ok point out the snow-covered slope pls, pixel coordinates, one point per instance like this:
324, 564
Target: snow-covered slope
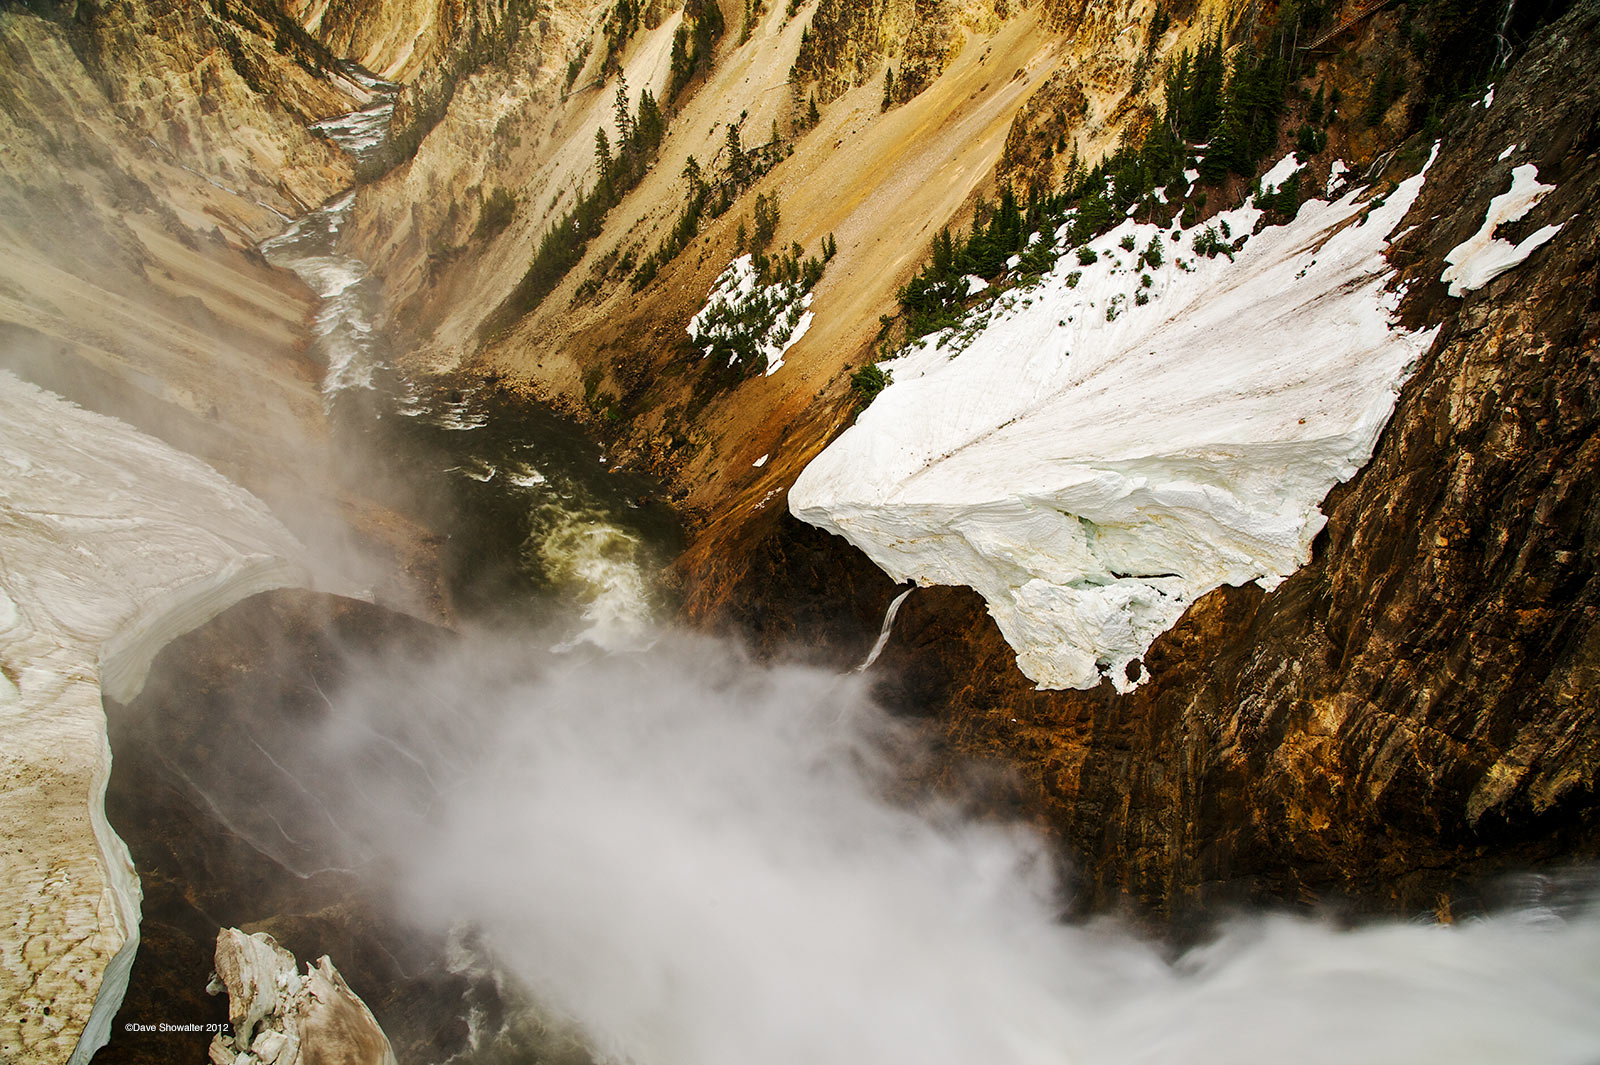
111, 544
1094, 453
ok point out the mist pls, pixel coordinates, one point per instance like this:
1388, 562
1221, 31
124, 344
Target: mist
694, 859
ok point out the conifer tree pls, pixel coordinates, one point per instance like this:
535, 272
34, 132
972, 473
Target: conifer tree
623, 119
602, 154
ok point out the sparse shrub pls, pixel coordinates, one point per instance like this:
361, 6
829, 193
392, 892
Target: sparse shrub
1153, 254
866, 383
499, 207
1087, 255
1208, 243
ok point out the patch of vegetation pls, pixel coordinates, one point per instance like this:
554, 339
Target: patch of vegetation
694, 45
866, 383
755, 309
1233, 109
499, 207
563, 245
712, 196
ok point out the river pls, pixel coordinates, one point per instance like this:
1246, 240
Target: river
537, 524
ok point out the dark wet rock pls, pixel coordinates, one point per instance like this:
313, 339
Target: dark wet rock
259, 672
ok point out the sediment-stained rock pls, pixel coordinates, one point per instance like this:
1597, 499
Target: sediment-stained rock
279, 1016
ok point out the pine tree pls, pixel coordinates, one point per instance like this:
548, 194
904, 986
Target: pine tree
737, 165
623, 119
602, 154
651, 125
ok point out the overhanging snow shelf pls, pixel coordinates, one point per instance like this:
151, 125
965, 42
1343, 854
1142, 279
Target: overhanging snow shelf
1092, 463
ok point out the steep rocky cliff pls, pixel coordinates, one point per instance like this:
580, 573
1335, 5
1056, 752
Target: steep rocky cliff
1018, 94
513, 159
1411, 710
1415, 708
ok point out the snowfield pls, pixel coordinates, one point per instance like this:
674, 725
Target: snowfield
1094, 453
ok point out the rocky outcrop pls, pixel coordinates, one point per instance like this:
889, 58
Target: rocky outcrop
278, 1016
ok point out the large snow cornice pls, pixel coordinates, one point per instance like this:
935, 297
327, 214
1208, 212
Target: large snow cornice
111, 545
1091, 464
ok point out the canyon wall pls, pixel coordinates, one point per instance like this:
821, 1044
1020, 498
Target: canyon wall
1414, 710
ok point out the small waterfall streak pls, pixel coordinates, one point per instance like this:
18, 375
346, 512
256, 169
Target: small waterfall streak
1502, 51
883, 633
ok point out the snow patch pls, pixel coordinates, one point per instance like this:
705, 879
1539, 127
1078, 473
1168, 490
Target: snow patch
1093, 454
1282, 171
1483, 257
1336, 178
748, 322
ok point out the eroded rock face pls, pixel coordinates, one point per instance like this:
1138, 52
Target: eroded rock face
149, 147
279, 1016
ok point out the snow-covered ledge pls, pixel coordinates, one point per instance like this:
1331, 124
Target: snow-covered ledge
111, 545
1105, 448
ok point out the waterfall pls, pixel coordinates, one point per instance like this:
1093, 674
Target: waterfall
1502, 50
883, 633
694, 859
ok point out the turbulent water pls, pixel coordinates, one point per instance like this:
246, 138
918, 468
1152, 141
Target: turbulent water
346, 329
363, 133
534, 521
